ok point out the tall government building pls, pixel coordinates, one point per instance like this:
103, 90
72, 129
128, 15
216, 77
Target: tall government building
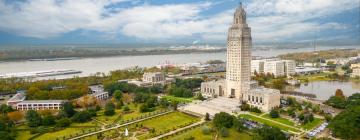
238, 56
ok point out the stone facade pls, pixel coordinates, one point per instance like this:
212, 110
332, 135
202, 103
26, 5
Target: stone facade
213, 88
237, 84
154, 78
238, 56
355, 72
263, 98
40, 105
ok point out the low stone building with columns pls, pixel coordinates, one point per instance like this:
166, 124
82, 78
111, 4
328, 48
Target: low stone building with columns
263, 98
213, 88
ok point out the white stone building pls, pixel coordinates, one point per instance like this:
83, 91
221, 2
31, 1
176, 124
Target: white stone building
154, 78
213, 88
263, 98
40, 105
238, 56
273, 66
355, 72
237, 84
17, 98
98, 92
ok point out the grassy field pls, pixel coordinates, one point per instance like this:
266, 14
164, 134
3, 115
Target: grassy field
198, 135
168, 122
280, 120
179, 99
312, 124
257, 119
72, 130
314, 77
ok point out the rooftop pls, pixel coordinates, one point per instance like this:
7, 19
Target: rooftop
42, 101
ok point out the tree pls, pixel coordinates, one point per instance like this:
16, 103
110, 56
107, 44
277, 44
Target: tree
245, 107
63, 122
346, 124
48, 120
15, 116
109, 109
126, 108
274, 113
117, 95
144, 108
5, 108
339, 93
223, 119
174, 104
164, 103
336, 102
126, 98
33, 118
207, 117
82, 116
206, 130
269, 133
239, 124
68, 109
224, 132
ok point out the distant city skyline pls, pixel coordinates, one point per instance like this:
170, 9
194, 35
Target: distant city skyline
178, 21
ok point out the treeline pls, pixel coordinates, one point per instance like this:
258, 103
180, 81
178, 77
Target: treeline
326, 54
60, 52
65, 88
346, 124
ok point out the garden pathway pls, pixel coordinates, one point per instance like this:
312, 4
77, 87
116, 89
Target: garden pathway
118, 126
178, 130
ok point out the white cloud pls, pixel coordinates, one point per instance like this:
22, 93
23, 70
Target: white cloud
270, 19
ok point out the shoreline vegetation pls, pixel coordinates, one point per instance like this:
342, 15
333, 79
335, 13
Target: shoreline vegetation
49, 54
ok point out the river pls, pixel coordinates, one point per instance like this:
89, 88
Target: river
106, 64
324, 89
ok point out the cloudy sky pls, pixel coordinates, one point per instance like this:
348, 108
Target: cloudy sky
175, 21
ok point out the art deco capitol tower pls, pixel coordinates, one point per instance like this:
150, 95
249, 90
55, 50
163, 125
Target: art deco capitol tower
238, 56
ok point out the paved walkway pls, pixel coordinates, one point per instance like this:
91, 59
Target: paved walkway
118, 126
178, 130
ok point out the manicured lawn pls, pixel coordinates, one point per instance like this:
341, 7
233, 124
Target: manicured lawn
167, 122
280, 120
119, 116
179, 99
24, 135
198, 135
257, 119
65, 132
234, 135
312, 124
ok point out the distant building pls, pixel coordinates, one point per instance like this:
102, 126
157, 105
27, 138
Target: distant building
98, 92
17, 98
353, 66
355, 72
40, 105
307, 70
273, 66
154, 78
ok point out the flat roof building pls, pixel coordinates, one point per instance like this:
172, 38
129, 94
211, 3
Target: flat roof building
40, 105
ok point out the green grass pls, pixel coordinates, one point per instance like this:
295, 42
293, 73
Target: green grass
198, 135
167, 122
65, 132
179, 99
257, 119
314, 77
24, 135
313, 124
280, 120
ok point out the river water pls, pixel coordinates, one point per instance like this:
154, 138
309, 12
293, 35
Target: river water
324, 89
106, 64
